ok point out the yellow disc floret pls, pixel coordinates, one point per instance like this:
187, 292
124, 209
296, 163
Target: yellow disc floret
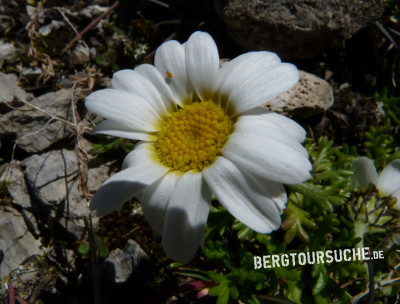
192, 137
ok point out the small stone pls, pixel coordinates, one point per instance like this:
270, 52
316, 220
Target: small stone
92, 10
54, 25
7, 51
80, 55
310, 96
10, 92
35, 13
16, 242
121, 264
31, 74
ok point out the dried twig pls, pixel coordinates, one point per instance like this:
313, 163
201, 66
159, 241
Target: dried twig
160, 3
81, 154
70, 24
11, 294
47, 113
382, 283
386, 33
91, 25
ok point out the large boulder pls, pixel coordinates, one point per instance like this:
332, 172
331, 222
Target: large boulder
296, 28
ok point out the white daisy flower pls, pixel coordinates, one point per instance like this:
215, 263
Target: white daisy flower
200, 134
387, 183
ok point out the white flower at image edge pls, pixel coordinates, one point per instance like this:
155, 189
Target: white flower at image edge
387, 182
200, 133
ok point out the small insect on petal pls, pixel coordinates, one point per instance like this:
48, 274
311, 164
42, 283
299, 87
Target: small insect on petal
169, 74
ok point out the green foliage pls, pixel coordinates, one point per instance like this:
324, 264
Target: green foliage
110, 145
391, 104
126, 48
325, 213
85, 248
381, 144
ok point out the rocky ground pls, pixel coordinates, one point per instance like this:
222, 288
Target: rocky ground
51, 248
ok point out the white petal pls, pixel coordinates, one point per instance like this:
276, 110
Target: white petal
150, 72
202, 63
125, 108
262, 86
262, 126
274, 191
291, 127
389, 179
364, 172
143, 153
396, 195
236, 71
124, 185
134, 82
170, 62
155, 201
186, 217
109, 127
243, 196
268, 158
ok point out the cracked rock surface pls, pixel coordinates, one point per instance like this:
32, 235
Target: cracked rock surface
296, 29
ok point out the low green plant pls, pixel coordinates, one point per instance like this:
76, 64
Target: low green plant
324, 214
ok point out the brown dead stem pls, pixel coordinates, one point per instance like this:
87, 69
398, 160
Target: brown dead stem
80, 151
46, 63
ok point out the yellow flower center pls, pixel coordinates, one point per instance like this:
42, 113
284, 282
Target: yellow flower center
191, 138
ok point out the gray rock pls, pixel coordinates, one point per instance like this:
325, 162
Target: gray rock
310, 96
54, 25
10, 92
16, 242
92, 11
49, 174
35, 130
123, 263
14, 176
80, 55
7, 50
31, 74
97, 176
16, 187
53, 179
296, 29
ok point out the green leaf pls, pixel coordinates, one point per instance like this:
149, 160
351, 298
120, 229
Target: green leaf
103, 252
319, 284
216, 277
287, 274
321, 300
294, 291
222, 291
84, 248
234, 292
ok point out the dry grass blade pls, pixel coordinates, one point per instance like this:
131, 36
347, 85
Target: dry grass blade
91, 25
